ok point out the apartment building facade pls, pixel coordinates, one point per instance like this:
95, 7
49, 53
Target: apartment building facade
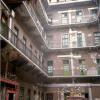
50, 49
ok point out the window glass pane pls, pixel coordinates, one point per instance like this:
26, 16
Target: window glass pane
65, 40
66, 67
64, 18
79, 13
98, 61
97, 38
29, 94
94, 11
16, 31
82, 66
21, 94
50, 67
79, 40
53, 1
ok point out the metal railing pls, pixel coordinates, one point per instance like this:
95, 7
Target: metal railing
88, 71
75, 20
7, 33
35, 18
59, 45
68, 1
9, 75
84, 19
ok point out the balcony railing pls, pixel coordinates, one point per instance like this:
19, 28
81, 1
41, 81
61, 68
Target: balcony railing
66, 1
7, 33
91, 71
59, 45
9, 76
74, 20
84, 19
35, 19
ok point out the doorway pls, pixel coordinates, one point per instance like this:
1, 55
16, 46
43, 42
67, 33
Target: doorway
11, 96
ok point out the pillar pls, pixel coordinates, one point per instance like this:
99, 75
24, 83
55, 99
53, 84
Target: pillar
62, 95
90, 93
10, 23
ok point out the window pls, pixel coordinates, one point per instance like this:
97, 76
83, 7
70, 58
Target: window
24, 44
4, 18
50, 41
98, 61
94, 11
98, 65
21, 94
50, 67
79, 16
53, 1
97, 38
3, 25
79, 13
49, 96
65, 40
61, 0
29, 94
79, 40
15, 35
31, 47
66, 67
82, 66
24, 40
64, 18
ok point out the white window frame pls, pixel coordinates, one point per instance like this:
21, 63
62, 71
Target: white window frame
83, 39
62, 46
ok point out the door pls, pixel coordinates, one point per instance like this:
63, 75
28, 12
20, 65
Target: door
49, 96
11, 95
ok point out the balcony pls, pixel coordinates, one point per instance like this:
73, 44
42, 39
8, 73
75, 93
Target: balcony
74, 20
9, 76
52, 2
88, 71
34, 21
59, 45
8, 34
84, 19
61, 72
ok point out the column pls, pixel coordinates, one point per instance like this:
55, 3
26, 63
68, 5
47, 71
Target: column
10, 23
90, 93
69, 17
62, 95
72, 64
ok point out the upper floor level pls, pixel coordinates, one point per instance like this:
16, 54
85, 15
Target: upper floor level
74, 63
74, 38
73, 17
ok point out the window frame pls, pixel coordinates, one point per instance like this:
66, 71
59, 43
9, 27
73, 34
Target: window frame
50, 67
65, 40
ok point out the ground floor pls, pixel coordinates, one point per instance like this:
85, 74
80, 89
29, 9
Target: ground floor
11, 90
